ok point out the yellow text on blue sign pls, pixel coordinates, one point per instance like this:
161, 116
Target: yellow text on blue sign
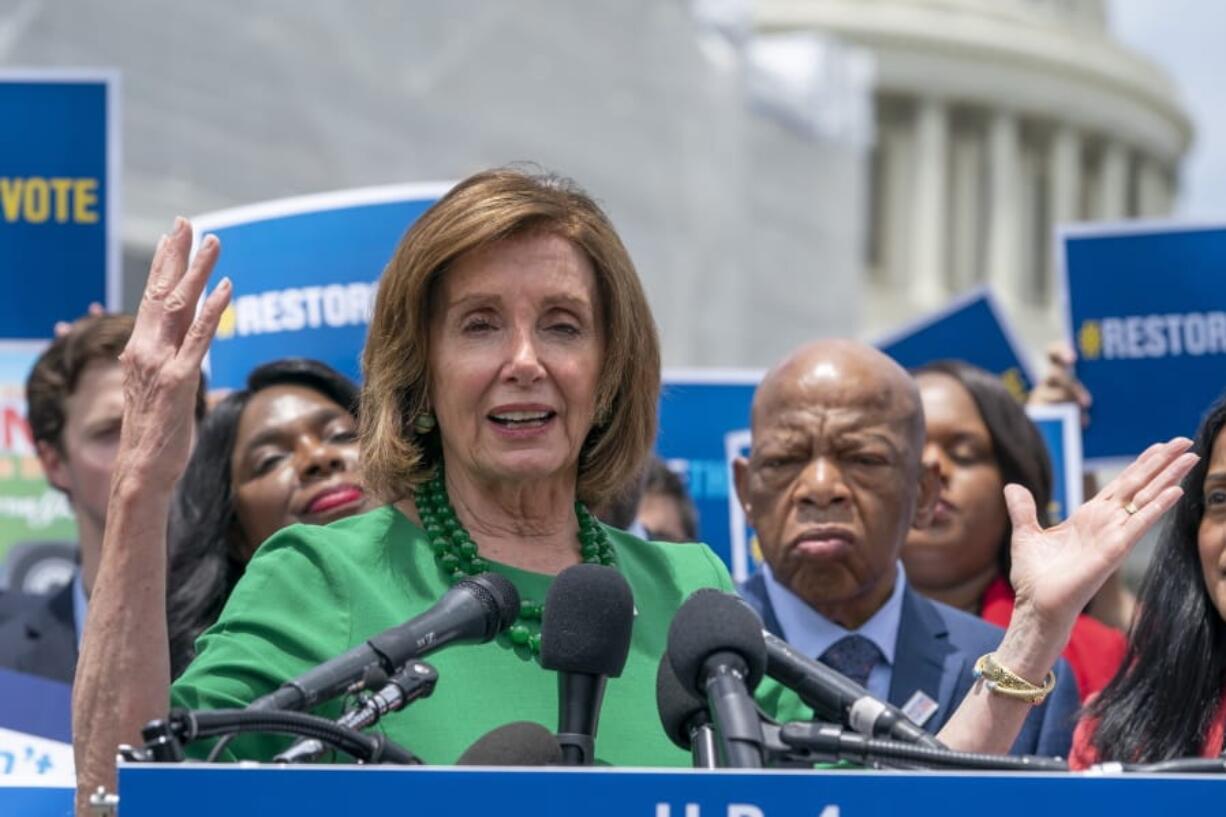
57, 199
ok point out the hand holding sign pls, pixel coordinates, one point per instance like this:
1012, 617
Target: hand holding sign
1060, 383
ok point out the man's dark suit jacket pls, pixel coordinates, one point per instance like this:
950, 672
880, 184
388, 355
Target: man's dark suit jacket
936, 652
38, 634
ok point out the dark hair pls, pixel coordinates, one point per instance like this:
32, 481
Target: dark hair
54, 377
204, 562
663, 481
1162, 700
1017, 445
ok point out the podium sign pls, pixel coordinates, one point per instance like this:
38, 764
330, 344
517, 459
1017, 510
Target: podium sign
192, 790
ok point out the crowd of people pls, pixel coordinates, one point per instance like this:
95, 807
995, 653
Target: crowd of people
510, 383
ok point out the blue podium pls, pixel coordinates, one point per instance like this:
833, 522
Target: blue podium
191, 790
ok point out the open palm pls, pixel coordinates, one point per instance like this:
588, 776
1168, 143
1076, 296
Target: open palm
1058, 570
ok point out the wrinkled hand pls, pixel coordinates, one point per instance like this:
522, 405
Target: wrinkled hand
1057, 571
1060, 383
161, 363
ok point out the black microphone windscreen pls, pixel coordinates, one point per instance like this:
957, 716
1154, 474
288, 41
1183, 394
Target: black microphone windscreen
711, 622
498, 596
677, 705
588, 620
522, 743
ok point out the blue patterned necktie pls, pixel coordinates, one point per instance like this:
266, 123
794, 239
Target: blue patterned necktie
854, 656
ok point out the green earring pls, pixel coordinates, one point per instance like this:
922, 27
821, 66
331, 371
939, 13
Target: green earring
424, 423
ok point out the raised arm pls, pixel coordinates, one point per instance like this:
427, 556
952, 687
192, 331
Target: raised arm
1055, 573
123, 675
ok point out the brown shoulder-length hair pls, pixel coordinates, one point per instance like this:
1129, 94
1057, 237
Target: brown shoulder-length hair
483, 209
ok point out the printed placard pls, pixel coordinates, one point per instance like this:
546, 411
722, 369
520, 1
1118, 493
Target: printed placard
971, 328
305, 273
1146, 309
59, 198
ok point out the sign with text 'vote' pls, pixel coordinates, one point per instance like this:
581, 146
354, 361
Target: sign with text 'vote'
1146, 308
59, 198
305, 272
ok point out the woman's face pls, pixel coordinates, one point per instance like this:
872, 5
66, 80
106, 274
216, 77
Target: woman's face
970, 518
1211, 537
515, 355
295, 460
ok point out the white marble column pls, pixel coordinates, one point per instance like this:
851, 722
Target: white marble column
1112, 198
930, 203
1152, 189
966, 209
1004, 264
1064, 192
897, 163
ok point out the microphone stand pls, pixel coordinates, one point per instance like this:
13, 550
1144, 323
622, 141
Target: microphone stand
1181, 765
165, 738
414, 681
704, 750
827, 743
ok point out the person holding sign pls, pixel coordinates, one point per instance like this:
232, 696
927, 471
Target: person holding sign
979, 439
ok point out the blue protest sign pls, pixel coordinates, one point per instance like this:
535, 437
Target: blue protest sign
305, 272
970, 328
1147, 310
238, 790
1060, 427
35, 731
59, 198
704, 422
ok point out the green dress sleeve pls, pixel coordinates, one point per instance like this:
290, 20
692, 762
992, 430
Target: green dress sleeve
287, 614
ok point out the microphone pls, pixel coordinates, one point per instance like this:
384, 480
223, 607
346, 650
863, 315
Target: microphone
715, 647
685, 718
416, 680
473, 611
522, 743
585, 638
836, 697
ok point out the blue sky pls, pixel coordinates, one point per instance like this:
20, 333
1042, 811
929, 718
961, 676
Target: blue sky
1188, 39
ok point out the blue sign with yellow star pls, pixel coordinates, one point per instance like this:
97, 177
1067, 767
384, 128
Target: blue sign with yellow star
970, 328
305, 273
1146, 310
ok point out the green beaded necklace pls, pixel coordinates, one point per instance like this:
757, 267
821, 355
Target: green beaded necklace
457, 556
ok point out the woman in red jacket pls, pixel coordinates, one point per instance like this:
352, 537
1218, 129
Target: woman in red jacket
1169, 698
979, 440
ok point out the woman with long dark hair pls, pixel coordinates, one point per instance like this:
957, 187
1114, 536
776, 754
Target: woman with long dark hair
282, 450
980, 440
1169, 698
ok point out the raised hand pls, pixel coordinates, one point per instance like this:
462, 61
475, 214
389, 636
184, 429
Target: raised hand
161, 363
1060, 383
1057, 571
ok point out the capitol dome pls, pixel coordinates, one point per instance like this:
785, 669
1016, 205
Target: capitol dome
995, 120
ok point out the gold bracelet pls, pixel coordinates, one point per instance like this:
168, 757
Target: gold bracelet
1003, 681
